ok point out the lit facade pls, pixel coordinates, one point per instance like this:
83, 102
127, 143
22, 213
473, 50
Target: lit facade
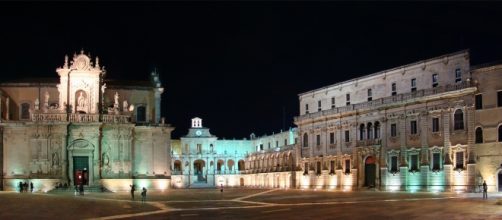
83, 129
433, 125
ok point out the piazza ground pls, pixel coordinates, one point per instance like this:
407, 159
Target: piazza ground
250, 204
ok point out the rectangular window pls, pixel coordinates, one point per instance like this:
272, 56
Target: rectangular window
319, 105
276, 143
413, 127
414, 162
331, 138
370, 95
268, 145
436, 160
413, 85
458, 75
479, 101
347, 98
285, 142
318, 140
435, 124
306, 108
261, 146
459, 164
394, 89
393, 164
332, 102
347, 166
499, 99
393, 130
332, 167
306, 168
435, 80
347, 136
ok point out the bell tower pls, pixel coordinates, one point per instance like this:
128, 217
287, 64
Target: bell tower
79, 84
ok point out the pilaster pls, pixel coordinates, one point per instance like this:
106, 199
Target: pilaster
446, 135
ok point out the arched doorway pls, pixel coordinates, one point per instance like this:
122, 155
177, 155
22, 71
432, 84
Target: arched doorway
242, 181
369, 171
198, 167
499, 176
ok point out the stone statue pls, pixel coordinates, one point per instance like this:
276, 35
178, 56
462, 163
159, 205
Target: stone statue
116, 98
81, 100
37, 104
46, 98
55, 158
125, 106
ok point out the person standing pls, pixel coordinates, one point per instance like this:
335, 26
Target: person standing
31, 187
133, 188
143, 195
485, 190
221, 188
81, 189
20, 187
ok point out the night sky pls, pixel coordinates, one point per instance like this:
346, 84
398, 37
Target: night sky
240, 66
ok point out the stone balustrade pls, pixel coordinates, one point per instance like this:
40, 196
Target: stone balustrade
79, 118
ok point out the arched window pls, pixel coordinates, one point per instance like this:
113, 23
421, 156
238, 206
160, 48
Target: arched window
141, 114
377, 130
370, 131
361, 132
500, 133
479, 135
458, 120
240, 165
305, 140
25, 111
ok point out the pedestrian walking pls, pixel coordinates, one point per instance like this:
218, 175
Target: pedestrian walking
143, 195
221, 188
133, 188
485, 190
31, 187
25, 186
20, 187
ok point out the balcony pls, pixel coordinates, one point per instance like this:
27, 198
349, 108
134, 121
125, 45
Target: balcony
369, 142
397, 99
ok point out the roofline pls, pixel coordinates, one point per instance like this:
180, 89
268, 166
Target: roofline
387, 70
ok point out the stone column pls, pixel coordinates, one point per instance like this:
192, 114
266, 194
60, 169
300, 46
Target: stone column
447, 167
383, 154
471, 149
424, 161
402, 140
158, 93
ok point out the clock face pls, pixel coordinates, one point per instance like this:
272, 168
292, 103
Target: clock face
198, 133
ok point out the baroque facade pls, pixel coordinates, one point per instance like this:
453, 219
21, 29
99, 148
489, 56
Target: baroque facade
83, 129
433, 125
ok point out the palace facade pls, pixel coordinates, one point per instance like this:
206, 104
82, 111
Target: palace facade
433, 125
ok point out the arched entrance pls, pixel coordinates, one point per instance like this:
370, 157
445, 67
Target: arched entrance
242, 181
369, 171
80, 155
499, 178
198, 168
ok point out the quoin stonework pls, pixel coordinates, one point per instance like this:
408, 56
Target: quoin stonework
434, 125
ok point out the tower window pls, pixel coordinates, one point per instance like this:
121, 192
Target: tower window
347, 99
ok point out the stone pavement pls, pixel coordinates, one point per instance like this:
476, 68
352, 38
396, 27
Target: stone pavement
250, 204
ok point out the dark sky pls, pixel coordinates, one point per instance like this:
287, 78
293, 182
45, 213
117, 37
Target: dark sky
239, 66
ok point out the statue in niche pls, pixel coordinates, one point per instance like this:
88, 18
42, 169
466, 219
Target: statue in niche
116, 98
46, 98
55, 159
125, 106
106, 160
37, 104
81, 100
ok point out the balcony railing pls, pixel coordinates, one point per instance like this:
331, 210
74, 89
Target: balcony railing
389, 100
79, 118
369, 142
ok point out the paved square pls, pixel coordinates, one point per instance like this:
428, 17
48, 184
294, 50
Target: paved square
249, 204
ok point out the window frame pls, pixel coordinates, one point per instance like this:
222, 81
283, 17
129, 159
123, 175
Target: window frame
347, 99
478, 101
413, 84
435, 127
413, 127
458, 123
458, 75
393, 89
393, 130
435, 80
